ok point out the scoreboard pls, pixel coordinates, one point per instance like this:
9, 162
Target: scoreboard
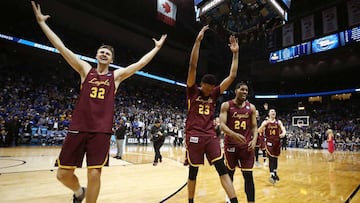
322, 44
350, 36
290, 52
325, 43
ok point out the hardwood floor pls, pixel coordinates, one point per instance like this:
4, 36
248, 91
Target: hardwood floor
28, 175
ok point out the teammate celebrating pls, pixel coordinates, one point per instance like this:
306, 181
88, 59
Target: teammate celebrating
274, 130
238, 122
200, 130
91, 125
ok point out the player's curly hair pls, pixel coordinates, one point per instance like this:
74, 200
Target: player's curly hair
237, 86
209, 79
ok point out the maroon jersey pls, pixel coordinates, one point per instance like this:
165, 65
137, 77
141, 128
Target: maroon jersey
239, 121
272, 132
94, 110
199, 121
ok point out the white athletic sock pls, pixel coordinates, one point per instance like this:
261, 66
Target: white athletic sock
78, 192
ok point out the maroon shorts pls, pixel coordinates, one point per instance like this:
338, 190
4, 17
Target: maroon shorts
95, 145
260, 142
273, 148
197, 146
236, 155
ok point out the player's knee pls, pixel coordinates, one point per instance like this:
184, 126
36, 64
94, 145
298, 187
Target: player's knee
220, 167
64, 174
193, 171
231, 173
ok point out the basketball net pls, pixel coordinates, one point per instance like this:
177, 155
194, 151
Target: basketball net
300, 124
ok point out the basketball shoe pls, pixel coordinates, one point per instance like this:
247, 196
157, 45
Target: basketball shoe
81, 197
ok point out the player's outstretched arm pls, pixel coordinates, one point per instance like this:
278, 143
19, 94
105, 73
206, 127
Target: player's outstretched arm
234, 47
122, 74
194, 57
262, 126
75, 62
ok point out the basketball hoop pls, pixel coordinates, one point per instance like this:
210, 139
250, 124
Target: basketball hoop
300, 123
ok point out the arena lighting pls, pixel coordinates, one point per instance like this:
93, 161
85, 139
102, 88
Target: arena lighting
209, 5
281, 12
266, 96
85, 58
287, 96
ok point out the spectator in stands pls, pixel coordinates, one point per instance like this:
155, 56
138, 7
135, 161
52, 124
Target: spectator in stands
145, 134
93, 114
120, 131
2, 136
180, 136
26, 126
12, 127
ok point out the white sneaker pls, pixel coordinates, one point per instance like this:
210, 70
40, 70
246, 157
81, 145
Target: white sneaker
272, 180
257, 164
227, 200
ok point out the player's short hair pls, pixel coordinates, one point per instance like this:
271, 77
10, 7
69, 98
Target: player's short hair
271, 108
209, 79
110, 48
239, 84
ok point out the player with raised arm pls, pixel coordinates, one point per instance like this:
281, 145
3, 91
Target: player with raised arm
200, 130
92, 119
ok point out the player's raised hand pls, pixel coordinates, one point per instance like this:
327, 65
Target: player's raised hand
160, 42
37, 11
202, 32
233, 44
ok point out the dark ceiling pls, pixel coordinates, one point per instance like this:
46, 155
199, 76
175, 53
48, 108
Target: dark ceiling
130, 25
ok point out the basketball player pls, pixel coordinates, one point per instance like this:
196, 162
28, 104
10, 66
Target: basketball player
91, 125
238, 122
330, 141
274, 130
200, 130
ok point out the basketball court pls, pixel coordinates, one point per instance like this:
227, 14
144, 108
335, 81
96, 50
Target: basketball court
28, 175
